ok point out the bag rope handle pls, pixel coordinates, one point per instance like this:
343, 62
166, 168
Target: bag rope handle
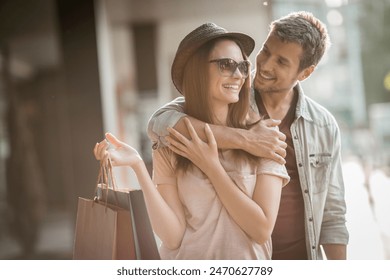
106, 179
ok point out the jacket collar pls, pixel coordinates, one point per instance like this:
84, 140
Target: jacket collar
301, 109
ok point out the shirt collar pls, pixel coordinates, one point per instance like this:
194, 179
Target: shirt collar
301, 109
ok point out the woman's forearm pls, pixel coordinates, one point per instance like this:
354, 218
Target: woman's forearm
165, 222
251, 217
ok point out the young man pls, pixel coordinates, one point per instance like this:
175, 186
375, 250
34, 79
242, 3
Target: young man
312, 208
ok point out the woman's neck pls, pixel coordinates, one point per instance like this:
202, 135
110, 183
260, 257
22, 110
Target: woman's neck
220, 114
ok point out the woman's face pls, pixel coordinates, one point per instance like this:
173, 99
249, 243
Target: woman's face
224, 86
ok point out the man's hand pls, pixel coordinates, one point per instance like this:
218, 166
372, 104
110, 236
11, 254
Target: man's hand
265, 140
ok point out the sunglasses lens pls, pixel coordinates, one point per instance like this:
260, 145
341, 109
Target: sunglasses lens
228, 66
244, 68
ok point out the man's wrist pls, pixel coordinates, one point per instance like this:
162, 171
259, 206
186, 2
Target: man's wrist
229, 137
238, 139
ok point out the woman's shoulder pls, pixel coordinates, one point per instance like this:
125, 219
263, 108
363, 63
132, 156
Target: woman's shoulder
163, 155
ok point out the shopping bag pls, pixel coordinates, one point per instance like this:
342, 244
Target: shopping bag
132, 199
121, 231
102, 232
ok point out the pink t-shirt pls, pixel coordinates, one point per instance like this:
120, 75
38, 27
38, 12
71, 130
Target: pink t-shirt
211, 233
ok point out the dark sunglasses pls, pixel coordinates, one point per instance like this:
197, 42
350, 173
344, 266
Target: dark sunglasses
228, 66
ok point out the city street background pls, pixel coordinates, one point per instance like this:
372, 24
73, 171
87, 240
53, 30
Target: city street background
71, 70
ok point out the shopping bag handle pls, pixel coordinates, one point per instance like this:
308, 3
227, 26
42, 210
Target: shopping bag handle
106, 179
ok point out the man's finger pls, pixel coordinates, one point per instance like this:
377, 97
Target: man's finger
278, 158
282, 152
271, 122
281, 136
283, 144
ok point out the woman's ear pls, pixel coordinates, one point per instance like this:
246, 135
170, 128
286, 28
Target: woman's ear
305, 73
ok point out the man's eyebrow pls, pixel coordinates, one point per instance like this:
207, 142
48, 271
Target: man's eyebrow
284, 60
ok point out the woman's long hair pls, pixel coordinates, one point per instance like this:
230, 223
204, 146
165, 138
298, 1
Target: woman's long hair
198, 99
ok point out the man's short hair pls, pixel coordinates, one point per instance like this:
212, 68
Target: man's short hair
307, 31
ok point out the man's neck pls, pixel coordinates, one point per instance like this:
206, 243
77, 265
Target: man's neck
277, 104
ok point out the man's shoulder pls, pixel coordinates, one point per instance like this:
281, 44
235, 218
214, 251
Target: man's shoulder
318, 113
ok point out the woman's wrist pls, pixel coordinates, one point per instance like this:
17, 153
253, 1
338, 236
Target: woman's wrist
213, 167
138, 166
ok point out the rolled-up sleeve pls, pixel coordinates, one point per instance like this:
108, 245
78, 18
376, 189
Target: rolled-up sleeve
271, 167
166, 116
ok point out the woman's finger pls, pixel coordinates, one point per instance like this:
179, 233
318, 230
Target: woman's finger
113, 140
102, 148
177, 151
177, 144
191, 130
210, 135
95, 151
180, 137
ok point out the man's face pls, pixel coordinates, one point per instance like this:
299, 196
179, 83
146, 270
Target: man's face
277, 66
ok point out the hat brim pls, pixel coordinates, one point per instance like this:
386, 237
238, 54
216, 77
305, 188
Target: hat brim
246, 42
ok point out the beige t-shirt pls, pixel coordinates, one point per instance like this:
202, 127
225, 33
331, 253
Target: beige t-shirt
211, 233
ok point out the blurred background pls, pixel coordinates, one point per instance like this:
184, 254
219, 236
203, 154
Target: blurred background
71, 70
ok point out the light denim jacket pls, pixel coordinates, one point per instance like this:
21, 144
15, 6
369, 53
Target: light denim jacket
317, 146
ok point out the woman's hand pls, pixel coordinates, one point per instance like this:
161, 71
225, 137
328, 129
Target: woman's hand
202, 154
120, 154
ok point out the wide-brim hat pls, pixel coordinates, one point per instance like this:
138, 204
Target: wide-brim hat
197, 38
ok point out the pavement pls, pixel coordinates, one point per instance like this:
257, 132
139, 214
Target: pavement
55, 240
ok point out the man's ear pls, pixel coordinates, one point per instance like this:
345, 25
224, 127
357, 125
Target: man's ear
305, 73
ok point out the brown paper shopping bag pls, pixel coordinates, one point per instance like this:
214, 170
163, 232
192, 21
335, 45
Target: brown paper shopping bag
116, 222
144, 242
102, 232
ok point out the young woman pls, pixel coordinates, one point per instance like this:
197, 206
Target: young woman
208, 203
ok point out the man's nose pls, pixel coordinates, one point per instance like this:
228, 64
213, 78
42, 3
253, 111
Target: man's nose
267, 64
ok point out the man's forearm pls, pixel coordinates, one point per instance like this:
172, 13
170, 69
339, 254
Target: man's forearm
335, 251
166, 116
261, 140
226, 137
